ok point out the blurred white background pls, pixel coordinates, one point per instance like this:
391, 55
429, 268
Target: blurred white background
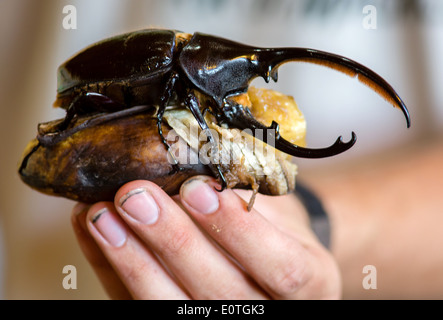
406, 48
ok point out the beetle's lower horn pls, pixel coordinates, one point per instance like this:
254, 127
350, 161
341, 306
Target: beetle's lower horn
244, 120
277, 56
283, 145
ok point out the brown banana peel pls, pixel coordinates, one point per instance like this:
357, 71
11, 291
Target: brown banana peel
93, 163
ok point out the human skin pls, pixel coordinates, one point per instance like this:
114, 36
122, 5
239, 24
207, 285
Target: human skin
152, 246
385, 212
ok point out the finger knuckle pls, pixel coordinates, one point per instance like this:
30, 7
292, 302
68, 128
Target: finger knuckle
135, 272
222, 293
290, 278
327, 284
232, 291
179, 243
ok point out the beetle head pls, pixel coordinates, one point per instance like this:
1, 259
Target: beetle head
220, 67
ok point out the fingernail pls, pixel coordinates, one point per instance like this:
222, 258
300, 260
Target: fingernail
140, 206
200, 196
109, 227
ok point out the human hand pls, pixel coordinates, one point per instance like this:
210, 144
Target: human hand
203, 244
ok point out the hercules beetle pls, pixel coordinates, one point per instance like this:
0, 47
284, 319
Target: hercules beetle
126, 74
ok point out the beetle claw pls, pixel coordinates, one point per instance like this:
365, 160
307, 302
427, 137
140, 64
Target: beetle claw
222, 178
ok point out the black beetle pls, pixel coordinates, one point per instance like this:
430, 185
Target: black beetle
126, 74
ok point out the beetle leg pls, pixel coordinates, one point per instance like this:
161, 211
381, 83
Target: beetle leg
51, 138
24, 163
70, 112
207, 109
99, 101
170, 85
242, 118
192, 103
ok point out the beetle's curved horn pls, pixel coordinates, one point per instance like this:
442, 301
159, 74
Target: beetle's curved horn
243, 119
226, 67
274, 57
